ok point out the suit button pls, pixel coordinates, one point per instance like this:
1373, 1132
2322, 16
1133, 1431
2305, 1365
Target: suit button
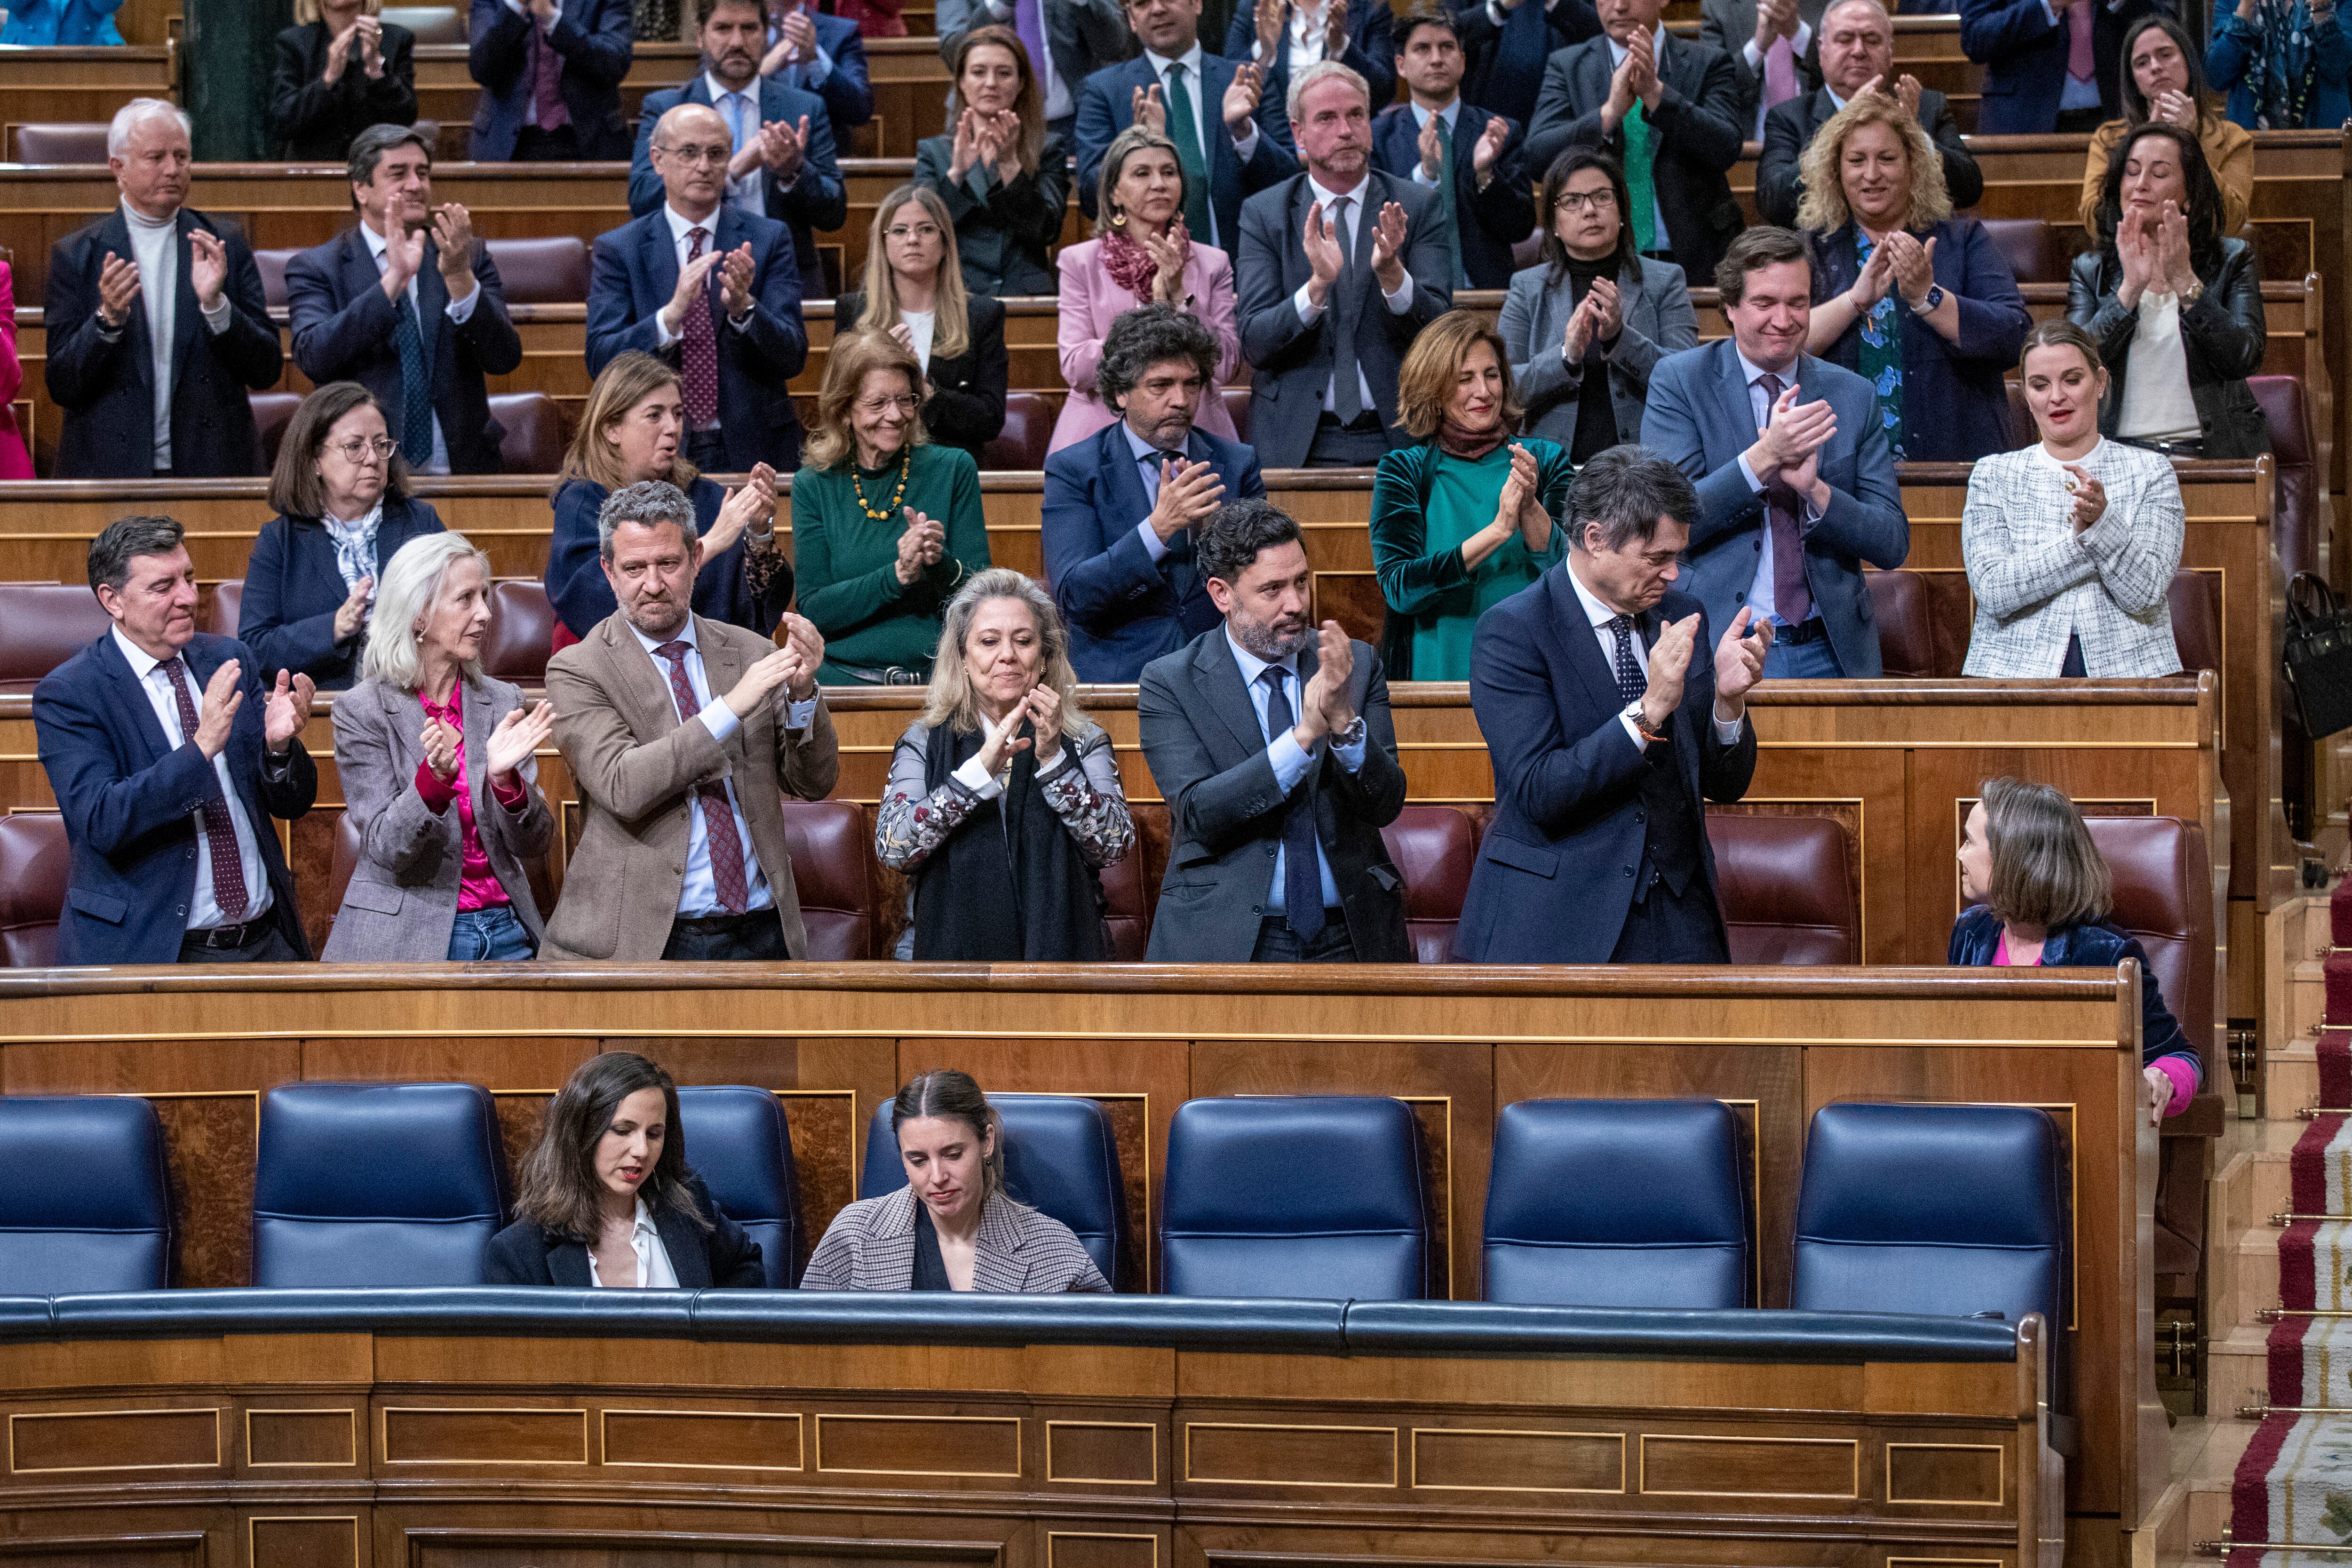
1629, 871
1639, 818
1257, 908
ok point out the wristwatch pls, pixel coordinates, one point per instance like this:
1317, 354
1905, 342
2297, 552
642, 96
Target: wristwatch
2194, 292
1353, 735
1934, 301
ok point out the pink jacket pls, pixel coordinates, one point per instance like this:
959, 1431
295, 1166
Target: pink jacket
1091, 301
15, 462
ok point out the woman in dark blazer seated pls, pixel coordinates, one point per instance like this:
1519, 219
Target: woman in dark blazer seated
1004, 176
340, 70
2175, 305
2041, 894
607, 1199
1917, 302
951, 1226
915, 292
340, 493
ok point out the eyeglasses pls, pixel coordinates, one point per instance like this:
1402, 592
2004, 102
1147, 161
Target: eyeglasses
717, 154
1586, 201
872, 406
359, 451
919, 231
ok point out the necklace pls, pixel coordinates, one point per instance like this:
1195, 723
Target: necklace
905, 461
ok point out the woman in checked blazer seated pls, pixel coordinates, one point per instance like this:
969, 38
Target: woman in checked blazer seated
607, 1199
951, 1226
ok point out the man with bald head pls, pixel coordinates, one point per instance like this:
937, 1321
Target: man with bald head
1857, 53
714, 290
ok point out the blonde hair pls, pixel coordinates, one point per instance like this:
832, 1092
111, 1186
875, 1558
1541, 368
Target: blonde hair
308, 11
1123, 146
952, 701
832, 443
1433, 364
950, 306
411, 587
628, 380
1823, 209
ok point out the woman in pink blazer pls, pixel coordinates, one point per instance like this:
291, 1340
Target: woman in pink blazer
15, 461
1144, 252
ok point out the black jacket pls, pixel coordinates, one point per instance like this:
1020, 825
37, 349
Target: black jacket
722, 1257
310, 121
2224, 333
1788, 129
966, 406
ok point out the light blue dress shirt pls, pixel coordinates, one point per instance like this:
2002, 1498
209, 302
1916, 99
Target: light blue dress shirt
1289, 762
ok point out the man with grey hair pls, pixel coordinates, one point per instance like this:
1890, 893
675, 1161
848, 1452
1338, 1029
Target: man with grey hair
1611, 727
685, 736
1123, 506
158, 325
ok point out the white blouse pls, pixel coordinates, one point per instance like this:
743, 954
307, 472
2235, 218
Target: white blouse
2156, 403
921, 323
654, 1272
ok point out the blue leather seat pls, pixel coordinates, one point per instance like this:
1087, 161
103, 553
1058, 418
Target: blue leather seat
1317, 1197
361, 1184
85, 1207
736, 1141
1060, 1158
1619, 1203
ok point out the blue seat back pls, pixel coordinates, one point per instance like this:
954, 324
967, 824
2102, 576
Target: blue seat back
1619, 1203
1317, 1196
736, 1141
375, 1184
86, 1206
1060, 1158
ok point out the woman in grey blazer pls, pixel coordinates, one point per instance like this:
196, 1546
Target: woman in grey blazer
951, 1226
1592, 300
444, 823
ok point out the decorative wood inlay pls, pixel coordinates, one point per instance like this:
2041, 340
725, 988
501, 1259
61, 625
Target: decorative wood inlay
212, 1222
279, 1437
162, 1549
1266, 1455
1960, 1475
1476, 1460
824, 1127
42, 1443
304, 1542
418, 1436
1105, 1453
970, 1446
1089, 1549
520, 1116
1679, 1465
702, 1439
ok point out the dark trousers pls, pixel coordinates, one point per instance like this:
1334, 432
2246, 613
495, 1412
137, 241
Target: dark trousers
757, 937
272, 948
707, 450
2078, 121
1359, 446
1664, 928
561, 145
1277, 943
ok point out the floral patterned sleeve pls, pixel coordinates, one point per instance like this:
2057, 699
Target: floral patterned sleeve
911, 822
759, 564
1081, 785
1088, 800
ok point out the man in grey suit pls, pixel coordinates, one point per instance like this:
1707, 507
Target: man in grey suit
1339, 268
1080, 37
1795, 477
1771, 43
1272, 743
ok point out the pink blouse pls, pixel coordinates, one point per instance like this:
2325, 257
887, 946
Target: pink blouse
478, 887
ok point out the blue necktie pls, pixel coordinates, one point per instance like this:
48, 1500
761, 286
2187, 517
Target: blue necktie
1302, 880
415, 387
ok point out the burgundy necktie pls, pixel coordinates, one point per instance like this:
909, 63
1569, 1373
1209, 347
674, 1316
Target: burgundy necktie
546, 80
2079, 57
1792, 601
220, 833
717, 816
701, 361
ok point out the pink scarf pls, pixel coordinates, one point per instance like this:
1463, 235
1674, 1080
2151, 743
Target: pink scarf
1130, 264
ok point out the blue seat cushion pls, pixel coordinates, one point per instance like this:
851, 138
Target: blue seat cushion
87, 1207
738, 1142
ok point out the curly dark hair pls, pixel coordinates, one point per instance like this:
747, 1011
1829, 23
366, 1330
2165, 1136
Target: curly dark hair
1144, 337
2204, 213
1231, 542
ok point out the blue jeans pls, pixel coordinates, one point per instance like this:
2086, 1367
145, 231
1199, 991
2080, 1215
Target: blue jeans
496, 935
1815, 661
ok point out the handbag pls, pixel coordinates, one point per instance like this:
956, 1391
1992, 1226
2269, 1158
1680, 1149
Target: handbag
2318, 656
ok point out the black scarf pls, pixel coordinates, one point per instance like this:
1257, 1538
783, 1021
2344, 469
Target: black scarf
1596, 413
1008, 885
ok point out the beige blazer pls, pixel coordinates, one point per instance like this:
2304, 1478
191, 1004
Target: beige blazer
635, 767
402, 897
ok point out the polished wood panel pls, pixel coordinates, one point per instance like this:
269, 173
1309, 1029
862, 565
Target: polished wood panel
44, 1443
702, 1439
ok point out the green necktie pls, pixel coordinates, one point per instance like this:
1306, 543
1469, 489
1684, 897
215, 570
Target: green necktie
1185, 132
1636, 131
1445, 196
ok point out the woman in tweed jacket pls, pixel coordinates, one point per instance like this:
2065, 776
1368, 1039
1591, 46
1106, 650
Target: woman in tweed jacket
951, 1227
2070, 544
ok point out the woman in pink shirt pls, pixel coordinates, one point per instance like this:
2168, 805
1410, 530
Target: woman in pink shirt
437, 760
15, 462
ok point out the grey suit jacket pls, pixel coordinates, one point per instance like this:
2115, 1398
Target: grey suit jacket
1730, 26
402, 897
1083, 36
870, 1246
1659, 321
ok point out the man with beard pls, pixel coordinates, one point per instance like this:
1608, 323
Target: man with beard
1122, 505
1271, 742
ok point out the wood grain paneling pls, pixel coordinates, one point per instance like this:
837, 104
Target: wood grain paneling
702, 1439
40, 1443
305, 1541
968, 1447
428, 1435
1278, 1453
278, 1439
1966, 1475
1690, 1466
1483, 1460
1102, 1453
1100, 1549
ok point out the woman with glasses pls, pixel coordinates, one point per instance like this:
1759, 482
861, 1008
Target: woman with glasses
915, 293
341, 491
1004, 177
1587, 323
885, 526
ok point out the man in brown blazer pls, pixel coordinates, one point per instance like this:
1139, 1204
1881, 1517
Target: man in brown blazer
684, 736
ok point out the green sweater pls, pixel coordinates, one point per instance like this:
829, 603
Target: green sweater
1424, 505
846, 564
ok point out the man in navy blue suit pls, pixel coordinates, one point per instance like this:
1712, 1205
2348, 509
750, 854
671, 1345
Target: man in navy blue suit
784, 167
2050, 64
1611, 727
714, 290
551, 74
168, 758
1439, 141
1230, 134
1287, 37
822, 55
1121, 506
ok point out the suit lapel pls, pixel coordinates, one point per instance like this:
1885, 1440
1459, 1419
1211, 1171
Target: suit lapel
721, 668
358, 264
114, 235
1738, 408
1124, 474
133, 696
185, 314
1578, 640
567, 1264
640, 683
996, 1264
475, 710
1220, 680
689, 1259
660, 254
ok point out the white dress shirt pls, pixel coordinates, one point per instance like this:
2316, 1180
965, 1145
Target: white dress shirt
1289, 762
1350, 212
155, 247
1204, 117
922, 326
459, 312
681, 239
654, 1272
1601, 614
1657, 59
2156, 403
1302, 36
204, 913
1800, 46
1760, 406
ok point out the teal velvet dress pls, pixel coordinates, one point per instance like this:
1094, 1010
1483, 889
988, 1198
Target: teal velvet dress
1425, 504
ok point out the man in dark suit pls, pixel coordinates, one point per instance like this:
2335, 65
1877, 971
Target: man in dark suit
1122, 505
1067, 40
2050, 64
157, 323
1464, 153
1771, 45
1795, 476
1273, 745
1857, 51
820, 53
168, 758
1504, 46
783, 167
407, 304
550, 71
715, 289
1339, 268
1668, 111
1230, 134
1287, 37
1611, 725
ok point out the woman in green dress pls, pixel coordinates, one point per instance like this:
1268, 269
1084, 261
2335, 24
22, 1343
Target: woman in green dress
885, 525
1467, 518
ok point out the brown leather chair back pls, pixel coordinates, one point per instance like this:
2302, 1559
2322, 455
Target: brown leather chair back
1525, 253
1028, 430
1434, 847
2197, 619
1128, 894
833, 870
535, 437
2022, 433
272, 413
523, 624
2164, 896
1923, 619
60, 142
2295, 530
228, 605
272, 264
1237, 403
42, 624
1787, 888
551, 271
34, 864
431, 24
2030, 246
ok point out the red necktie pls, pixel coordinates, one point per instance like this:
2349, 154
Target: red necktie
1793, 600
546, 81
220, 833
2078, 43
717, 816
701, 365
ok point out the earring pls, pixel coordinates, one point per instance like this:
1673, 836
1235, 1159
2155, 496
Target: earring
1119, 218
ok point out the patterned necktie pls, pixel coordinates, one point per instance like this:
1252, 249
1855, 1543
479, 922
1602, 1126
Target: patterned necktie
1793, 600
220, 833
415, 385
1631, 682
1302, 882
701, 344
1347, 383
2078, 43
717, 816
1184, 129
546, 81
1445, 199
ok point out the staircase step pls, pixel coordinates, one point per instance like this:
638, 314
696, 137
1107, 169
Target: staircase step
2291, 1078
2238, 1364
2208, 1485
2308, 992
2253, 1286
2165, 1530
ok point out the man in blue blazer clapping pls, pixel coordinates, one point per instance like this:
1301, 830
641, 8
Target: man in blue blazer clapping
1438, 140
713, 288
550, 71
823, 55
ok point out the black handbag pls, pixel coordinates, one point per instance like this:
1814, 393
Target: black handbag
2318, 656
